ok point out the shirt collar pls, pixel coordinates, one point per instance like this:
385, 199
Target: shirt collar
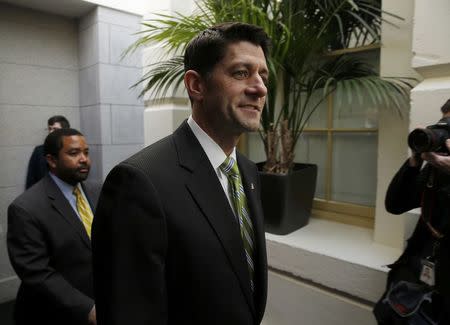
213, 151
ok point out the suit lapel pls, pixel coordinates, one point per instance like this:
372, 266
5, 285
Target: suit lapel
63, 207
207, 192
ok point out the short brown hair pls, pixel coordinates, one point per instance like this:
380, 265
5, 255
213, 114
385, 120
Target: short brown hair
206, 49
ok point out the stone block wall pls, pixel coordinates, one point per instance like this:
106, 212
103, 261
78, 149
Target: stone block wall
38, 79
55, 65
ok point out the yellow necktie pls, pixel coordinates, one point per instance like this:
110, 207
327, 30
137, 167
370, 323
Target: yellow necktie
84, 211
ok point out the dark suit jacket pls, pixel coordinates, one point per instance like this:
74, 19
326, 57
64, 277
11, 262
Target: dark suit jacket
166, 245
37, 167
405, 193
51, 253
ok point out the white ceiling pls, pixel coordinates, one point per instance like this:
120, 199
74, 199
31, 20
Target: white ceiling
68, 8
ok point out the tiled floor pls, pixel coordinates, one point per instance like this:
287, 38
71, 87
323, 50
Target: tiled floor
6, 313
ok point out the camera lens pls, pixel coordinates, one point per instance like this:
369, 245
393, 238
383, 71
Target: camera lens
421, 140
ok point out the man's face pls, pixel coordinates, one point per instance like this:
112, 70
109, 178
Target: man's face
73, 163
235, 90
53, 127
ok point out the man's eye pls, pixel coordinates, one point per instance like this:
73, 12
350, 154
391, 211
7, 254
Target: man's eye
241, 74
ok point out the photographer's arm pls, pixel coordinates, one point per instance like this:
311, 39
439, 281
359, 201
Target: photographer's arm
403, 193
441, 162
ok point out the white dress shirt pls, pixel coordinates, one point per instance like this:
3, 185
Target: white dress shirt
214, 153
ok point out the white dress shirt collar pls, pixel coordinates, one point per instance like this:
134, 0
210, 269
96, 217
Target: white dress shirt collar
214, 152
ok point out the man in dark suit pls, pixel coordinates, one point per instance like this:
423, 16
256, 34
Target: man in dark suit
49, 237
37, 166
178, 235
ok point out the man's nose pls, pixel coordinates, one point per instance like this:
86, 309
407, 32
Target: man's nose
258, 87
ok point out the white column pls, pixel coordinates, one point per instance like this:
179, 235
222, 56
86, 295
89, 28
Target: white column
162, 118
395, 61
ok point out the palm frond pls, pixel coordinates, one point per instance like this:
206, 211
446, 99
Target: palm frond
161, 77
302, 31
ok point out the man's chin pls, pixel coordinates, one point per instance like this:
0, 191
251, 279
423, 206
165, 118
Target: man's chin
251, 127
249, 121
82, 176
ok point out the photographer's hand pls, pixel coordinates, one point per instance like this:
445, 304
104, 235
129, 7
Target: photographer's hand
415, 160
440, 161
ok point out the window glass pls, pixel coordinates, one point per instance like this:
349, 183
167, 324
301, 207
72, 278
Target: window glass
320, 116
312, 148
354, 168
351, 114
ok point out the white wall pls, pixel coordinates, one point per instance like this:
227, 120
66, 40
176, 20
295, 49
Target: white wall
146, 7
431, 34
431, 49
38, 79
139, 7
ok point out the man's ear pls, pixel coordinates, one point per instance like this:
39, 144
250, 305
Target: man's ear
51, 161
194, 84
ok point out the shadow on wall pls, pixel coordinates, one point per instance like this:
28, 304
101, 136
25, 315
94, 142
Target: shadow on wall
6, 311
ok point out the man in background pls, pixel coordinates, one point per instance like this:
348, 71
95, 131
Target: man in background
178, 236
37, 166
49, 246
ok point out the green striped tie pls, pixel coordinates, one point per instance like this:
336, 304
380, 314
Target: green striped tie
237, 194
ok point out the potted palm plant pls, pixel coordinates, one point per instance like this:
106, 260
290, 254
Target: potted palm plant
303, 33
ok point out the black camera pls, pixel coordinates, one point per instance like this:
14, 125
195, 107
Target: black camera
432, 138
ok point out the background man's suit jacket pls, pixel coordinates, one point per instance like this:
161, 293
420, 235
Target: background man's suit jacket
167, 247
37, 167
51, 253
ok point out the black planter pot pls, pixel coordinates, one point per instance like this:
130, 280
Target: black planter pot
287, 199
